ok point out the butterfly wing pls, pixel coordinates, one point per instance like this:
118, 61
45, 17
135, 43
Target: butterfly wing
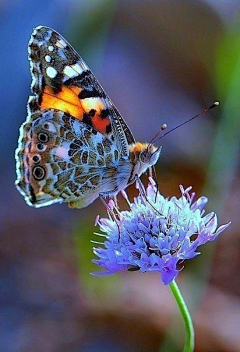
74, 140
61, 80
60, 158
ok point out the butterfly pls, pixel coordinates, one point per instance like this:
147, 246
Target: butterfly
74, 145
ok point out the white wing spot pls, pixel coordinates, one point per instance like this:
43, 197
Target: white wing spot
61, 44
70, 72
48, 58
51, 72
93, 103
50, 48
77, 68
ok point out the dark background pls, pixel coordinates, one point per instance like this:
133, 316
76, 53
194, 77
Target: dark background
160, 62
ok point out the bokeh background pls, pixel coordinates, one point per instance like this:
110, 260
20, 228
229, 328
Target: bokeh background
160, 62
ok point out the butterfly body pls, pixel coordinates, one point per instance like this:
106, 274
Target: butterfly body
74, 145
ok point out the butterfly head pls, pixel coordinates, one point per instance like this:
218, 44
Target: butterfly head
143, 156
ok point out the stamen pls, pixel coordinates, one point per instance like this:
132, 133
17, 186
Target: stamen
151, 180
125, 196
96, 220
111, 204
100, 234
96, 242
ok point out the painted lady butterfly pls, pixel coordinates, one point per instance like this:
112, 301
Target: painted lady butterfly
74, 145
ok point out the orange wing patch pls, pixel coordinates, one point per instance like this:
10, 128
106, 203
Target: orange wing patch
100, 124
67, 100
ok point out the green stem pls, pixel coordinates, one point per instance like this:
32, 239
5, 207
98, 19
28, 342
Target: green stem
189, 330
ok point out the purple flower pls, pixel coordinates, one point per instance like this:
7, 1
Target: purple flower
156, 234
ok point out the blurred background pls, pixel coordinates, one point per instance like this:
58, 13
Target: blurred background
160, 62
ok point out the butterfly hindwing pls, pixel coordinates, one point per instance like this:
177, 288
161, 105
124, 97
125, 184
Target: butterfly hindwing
62, 159
62, 80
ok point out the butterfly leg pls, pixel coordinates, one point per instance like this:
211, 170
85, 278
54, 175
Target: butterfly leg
103, 200
115, 201
150, 171
155, 180
144, 194
110, 211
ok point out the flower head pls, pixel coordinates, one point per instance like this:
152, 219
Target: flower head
156, 234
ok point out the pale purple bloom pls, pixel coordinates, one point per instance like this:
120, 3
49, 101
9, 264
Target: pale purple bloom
156, 234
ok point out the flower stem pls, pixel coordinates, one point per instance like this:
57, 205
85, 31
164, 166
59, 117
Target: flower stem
189, 330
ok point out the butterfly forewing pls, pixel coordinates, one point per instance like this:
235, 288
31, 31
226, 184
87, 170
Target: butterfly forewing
62, 80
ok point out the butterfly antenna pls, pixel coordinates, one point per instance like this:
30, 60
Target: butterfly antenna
164, 126
192, 118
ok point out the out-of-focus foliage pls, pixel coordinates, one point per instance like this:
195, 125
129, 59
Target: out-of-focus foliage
225, 154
